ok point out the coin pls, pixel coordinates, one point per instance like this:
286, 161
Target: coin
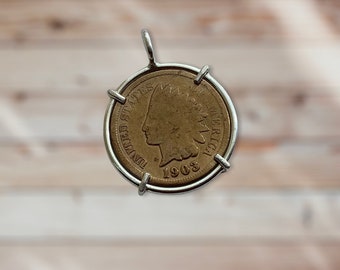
170, 127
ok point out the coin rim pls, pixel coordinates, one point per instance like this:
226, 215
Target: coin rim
208, 177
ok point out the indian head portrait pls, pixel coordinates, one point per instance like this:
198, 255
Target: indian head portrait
175, 122
169, 127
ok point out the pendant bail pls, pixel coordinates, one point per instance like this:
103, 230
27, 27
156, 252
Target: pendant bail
148, 47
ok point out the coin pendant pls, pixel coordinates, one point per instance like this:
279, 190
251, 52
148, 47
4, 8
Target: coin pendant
170, 127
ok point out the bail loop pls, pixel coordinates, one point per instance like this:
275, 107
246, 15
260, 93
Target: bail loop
148, 47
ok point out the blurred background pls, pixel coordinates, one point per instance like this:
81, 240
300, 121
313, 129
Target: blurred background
64, 206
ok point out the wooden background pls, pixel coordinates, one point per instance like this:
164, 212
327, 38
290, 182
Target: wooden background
63, 205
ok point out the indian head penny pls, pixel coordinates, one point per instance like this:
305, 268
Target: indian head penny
170, 127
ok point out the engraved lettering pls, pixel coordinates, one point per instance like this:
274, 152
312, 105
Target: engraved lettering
124, 117
183, 169
215, 131
215, 135
133, 99
194, 166
122, 128
174, 172
129, 149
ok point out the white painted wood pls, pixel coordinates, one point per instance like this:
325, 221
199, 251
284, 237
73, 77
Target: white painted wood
235, 65
218, 215
75, 166
267, 116
199, 255
71, 19
62, 204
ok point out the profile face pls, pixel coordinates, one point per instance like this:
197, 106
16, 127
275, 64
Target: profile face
154, 126
174, 121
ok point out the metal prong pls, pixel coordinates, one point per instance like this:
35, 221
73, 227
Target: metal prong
142, 186
148, 47
201, 74
223, 162
116, 96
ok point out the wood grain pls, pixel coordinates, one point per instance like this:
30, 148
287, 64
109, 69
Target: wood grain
116, 215
64, 206
285, 165
190, 20
268, 116
246, 66
202, 255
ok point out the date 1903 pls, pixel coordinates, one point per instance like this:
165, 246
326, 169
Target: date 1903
174, 171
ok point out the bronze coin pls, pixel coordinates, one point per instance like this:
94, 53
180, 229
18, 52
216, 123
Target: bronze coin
169, 127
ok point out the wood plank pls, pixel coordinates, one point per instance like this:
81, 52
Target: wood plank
221, 215
227, 256
305, 165
60, 189
235, 65
74, 20
269, 116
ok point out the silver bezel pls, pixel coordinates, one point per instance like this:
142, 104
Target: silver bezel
218, 168
202, 74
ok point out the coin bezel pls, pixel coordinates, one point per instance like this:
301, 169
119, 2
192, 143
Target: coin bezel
208, 177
